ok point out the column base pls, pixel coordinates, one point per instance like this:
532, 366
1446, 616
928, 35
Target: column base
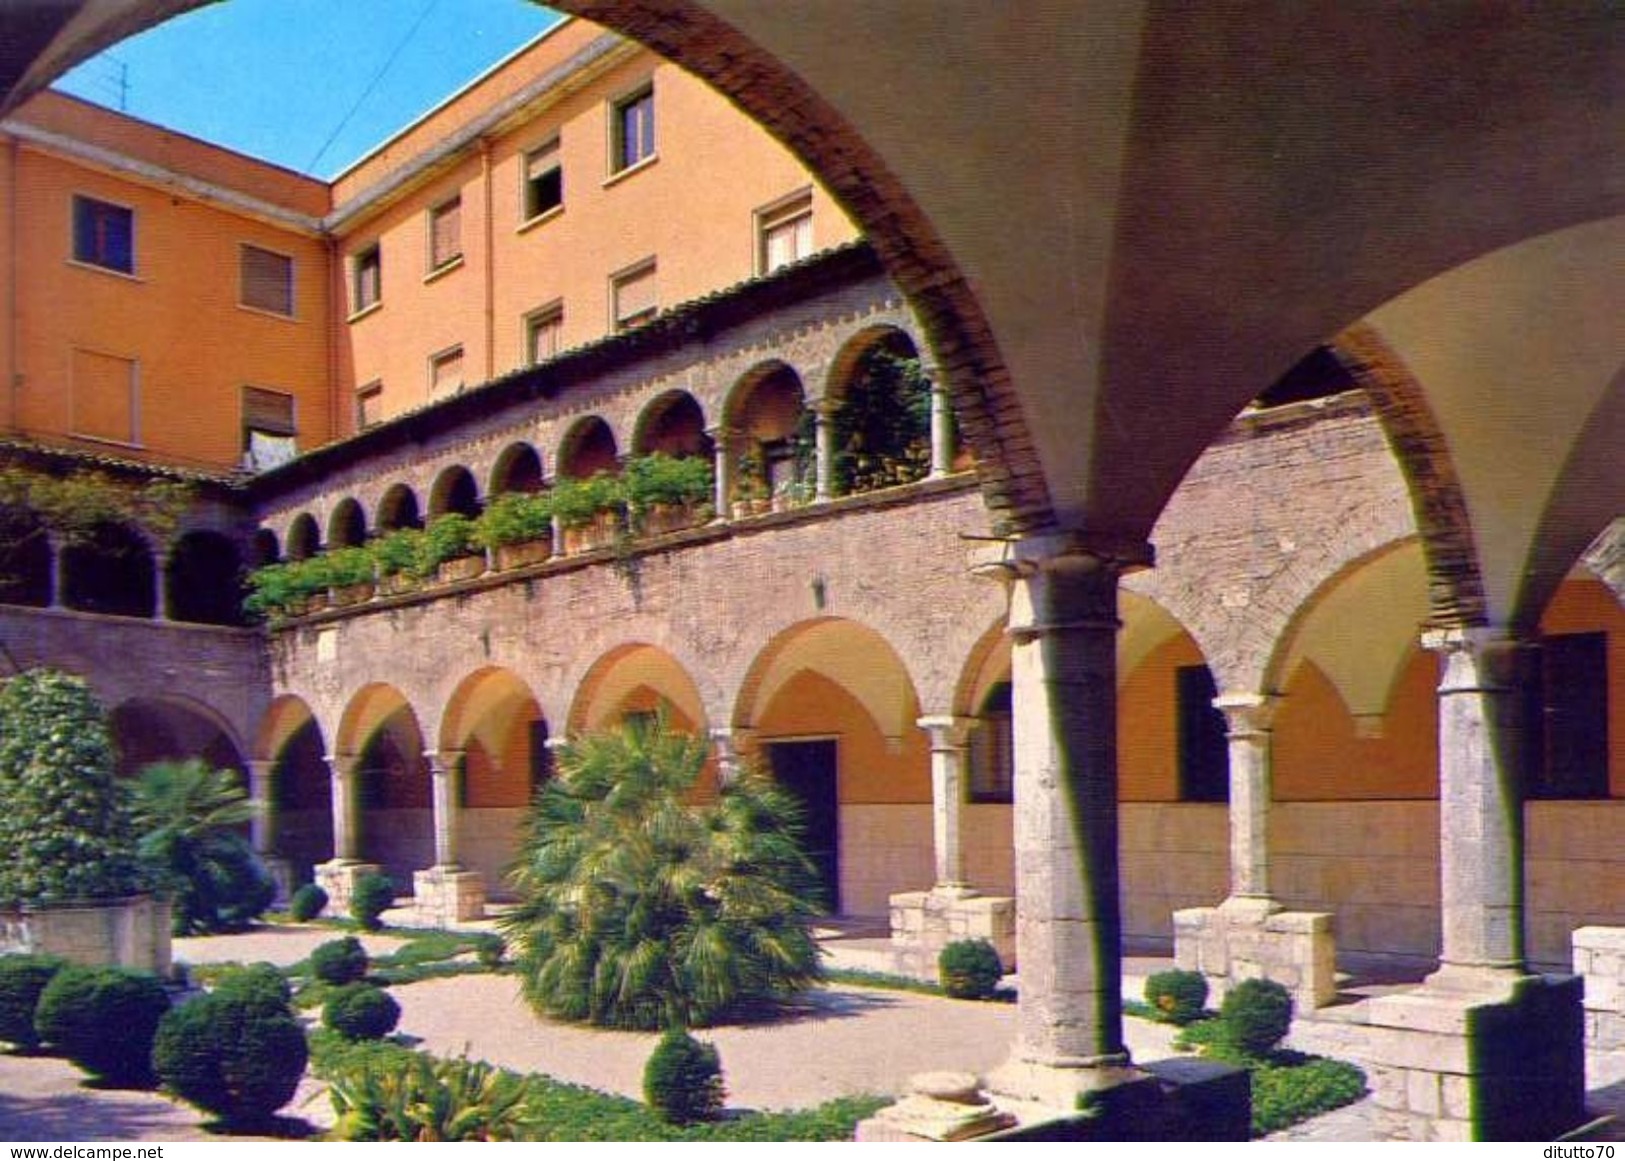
939, 1106
444, 895
1480, 1054
1599, 956
1250, 937
925, 922
338, 877
281, 872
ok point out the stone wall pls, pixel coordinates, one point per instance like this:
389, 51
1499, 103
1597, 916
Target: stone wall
132, 933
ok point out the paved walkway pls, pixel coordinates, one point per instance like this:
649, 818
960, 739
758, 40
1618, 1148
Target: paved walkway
844, 1040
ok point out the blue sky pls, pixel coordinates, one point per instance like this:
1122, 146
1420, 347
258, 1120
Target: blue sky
309, 84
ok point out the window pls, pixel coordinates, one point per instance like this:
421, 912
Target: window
544, 332
1568, 731
1204, 745
369, 405
633, 295
268, 429
633, 130
784, 233
367, 279
267, 280
105, 392
445, 233
446, 373
104, 234
544, 181
992, 749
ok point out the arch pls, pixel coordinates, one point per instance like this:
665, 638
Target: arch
162, 729
636, 678
518, 469
264, 548
850, 654
347, 526
110, 570
769, 430
290, 742
398, 509
588, 448
454, 491
379, 732
204, 580
672, 423
27, 572
304, 537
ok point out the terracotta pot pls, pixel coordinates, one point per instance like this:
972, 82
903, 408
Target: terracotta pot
523, 553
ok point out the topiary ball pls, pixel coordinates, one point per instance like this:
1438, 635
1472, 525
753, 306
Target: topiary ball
307, 903
969, 969
1257, 1014
22, 979
339, 961
1180, 996
231, 1054
103, 1019
683, 1079
258, 983
372, 896
361, 1012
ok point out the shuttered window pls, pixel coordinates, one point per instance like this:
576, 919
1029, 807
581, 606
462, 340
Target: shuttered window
367, 279
369, 406
446, 373
445, 233
635, 295
104, 396
267, 280
786, 234
544, 180
544, 331
269, 430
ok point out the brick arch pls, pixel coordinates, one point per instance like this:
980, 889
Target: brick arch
750, 699
575, 436
844, 366
347, 524
455, 490
511, 471
986, 403
685, 694
398, 508
303, 538
659, 408
970, 684
283, 718
1455, 584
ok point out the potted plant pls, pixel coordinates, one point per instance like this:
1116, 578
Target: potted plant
588, 510
351, 575
788, 494
449, 552
517, 527
750, 496
665, 493
398, 555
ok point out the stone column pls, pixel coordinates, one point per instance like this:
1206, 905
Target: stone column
730, 743
445, 773
1063, 625
948, 735
1480, 804
1248, 718
824, 444
722, 471
942, 431
346, 832
59, 573
262, 798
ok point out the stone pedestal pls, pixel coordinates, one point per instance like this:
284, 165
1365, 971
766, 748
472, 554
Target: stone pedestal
442, 896
925, 922
338, 878
1599, 956
1235, 942
939, 1106
1480, 1055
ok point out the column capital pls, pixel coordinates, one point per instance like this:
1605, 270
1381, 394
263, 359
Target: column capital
1476, 658
1060, 552
1062, 581
946, 731
1247, 714
442, 761
342, 765
734, 737
720, 431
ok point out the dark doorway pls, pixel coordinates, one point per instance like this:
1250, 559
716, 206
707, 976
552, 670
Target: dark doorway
808, 771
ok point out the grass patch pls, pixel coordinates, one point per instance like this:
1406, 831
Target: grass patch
886, 981
557, 1111
1288, 1087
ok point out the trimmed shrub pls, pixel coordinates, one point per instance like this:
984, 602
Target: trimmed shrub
1256, 1015
683, 1079
22, 979
969, 969
361, 1012
103, 1019
373, 895
1178, 996
258, 983
233, 1052
490, 949
339, 961
307, 903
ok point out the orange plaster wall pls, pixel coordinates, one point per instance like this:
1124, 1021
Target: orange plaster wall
1317, 756
1148, 723
811, 705
178, 318
1588, 606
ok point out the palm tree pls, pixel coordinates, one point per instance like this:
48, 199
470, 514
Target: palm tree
641, 908
188, 815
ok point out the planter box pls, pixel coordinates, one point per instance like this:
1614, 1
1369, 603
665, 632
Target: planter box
353, 594
461, 569
399, 583
599, 532
659, 519
131, 932
523, 553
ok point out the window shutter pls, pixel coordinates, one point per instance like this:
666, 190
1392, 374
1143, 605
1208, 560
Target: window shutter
635, 296
446, 226
268, 411
540, 162
267, 280
104, 389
